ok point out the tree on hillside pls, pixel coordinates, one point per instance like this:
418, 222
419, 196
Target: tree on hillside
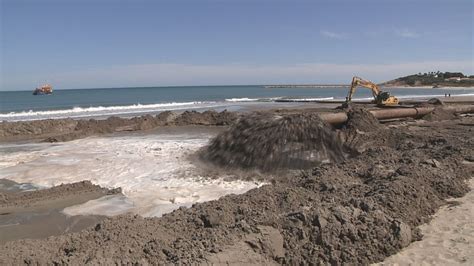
448, 75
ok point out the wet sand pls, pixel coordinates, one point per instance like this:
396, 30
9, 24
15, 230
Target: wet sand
60, 130
37, 213
357, 212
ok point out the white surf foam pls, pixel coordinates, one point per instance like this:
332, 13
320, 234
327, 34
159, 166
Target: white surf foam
245, 99
78, 112
153, 171
242, 100
308, 99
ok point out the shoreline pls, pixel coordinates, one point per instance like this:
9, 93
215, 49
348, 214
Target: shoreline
86, 111
426, 87
65, 129
318, 86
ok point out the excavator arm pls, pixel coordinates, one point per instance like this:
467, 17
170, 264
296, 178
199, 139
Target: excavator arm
356, 81
380, 98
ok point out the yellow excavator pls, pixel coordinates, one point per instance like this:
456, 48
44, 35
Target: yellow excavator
381, 98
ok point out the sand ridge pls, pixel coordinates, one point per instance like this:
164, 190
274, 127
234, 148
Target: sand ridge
54, 130
58, 194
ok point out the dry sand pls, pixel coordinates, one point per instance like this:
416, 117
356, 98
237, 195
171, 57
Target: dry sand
448, 239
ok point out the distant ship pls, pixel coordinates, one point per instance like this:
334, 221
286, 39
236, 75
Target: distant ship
45, 89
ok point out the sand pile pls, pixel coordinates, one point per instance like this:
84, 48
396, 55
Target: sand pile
362, 120
205, 118
362, 131
439, 114
270, 142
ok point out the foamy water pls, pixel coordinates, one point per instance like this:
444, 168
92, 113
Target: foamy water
153, 171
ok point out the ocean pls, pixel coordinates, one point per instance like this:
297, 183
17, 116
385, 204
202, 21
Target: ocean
82, 103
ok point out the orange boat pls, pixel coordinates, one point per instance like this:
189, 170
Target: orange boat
45, 89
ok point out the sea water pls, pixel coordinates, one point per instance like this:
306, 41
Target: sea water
153, 170
84, 103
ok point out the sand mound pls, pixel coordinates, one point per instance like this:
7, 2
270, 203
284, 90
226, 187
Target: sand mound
270, 142
362, 131
439, 114
361, 119
205, 118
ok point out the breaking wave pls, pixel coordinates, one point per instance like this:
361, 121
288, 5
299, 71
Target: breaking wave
305, 99
245, 99
103, 110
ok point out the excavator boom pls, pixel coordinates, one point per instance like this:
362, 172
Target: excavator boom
380, 98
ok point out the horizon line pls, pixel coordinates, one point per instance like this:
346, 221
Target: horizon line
178, 86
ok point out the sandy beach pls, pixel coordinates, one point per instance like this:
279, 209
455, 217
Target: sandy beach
363, 210
448, 239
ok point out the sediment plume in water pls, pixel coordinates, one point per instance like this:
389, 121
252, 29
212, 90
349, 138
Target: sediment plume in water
268, 142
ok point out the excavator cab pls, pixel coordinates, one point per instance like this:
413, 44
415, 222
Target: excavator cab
381, 98
384, 98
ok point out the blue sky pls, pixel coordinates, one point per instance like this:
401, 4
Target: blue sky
106, 43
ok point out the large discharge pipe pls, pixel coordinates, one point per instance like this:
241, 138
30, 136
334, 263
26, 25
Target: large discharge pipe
393, 113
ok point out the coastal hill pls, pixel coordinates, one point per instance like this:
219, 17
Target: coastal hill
433, 79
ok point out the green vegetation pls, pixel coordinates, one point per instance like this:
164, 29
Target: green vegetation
435, 79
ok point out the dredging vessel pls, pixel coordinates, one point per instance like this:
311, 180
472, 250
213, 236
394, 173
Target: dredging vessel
44, 89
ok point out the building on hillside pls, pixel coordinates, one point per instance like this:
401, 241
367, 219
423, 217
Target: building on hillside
453, 79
